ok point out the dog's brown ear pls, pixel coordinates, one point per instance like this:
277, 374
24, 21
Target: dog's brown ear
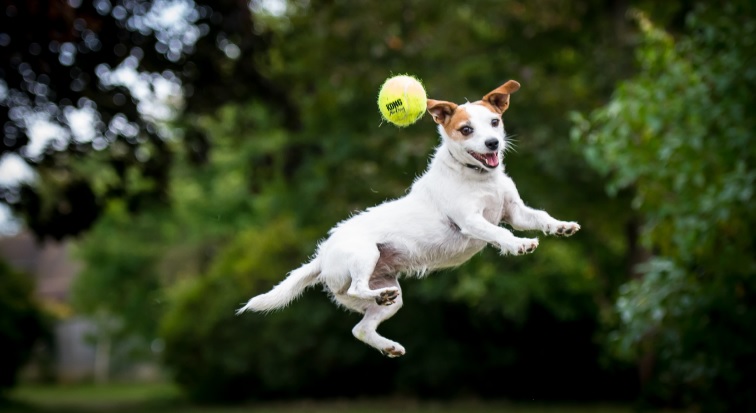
499, 97
441, 110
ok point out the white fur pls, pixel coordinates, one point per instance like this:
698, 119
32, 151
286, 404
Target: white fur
451, 212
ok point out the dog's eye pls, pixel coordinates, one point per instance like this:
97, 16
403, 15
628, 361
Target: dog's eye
466, 130
495, 123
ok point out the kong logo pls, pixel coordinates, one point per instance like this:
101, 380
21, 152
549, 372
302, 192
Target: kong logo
395, 106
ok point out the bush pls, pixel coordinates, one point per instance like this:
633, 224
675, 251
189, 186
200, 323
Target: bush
679, 135
21, 323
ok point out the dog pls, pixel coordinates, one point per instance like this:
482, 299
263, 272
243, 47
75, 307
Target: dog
449, 214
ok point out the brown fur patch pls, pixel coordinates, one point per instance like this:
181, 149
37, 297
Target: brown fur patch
389, 261
459, 118
499, 97
441, 110
386, 268
487, 105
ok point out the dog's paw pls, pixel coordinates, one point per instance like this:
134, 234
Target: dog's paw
529, 246
521, 246
388, 296
565, 229
395, 350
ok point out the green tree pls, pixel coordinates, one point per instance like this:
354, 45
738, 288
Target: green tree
58, 59
680, 136
22, 324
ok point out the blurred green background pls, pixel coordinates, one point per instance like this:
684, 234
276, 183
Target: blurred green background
181, 156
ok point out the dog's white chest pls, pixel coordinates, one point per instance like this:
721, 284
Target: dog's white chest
492, 205
452, 202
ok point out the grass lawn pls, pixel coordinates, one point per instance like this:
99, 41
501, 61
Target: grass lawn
165, 398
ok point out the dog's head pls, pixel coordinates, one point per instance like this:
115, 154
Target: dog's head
474, 131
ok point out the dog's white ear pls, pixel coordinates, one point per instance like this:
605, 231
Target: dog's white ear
499, 97
440, 110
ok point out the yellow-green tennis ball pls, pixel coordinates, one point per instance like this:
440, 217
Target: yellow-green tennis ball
402, 100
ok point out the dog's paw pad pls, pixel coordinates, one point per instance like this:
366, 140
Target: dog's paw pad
567, 229
387, 297
393, 351
527, 248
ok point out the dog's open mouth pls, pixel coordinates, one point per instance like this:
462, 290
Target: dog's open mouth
490, 160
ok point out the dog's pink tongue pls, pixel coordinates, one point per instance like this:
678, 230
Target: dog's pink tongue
492, 159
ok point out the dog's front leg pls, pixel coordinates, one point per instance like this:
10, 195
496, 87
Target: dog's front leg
476, 226
522, 217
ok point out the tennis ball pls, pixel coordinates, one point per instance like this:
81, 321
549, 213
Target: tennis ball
402, 100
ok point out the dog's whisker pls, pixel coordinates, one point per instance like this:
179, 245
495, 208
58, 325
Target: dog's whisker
511, 144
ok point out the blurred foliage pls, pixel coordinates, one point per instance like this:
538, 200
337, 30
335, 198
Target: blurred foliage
120, 278
255, 207
680, 134
219, 245
251, 185
58, 57
22, 324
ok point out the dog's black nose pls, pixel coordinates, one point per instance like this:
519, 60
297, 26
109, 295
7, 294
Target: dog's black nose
492, 143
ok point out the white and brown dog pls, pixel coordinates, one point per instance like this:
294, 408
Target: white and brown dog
451, 212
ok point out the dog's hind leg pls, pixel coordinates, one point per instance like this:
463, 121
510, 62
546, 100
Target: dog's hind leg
362, 270
365, 330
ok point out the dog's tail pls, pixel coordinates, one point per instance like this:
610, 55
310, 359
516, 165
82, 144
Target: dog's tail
287, 290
